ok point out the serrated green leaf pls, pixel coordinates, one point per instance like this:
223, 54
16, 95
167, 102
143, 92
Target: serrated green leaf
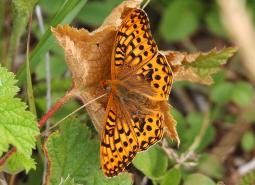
198, 179
172, 177
17, 126
72, 152
152, 162
209, 63
180, 20
7, 83
18, 162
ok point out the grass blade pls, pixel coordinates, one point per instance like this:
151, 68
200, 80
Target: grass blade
63, 16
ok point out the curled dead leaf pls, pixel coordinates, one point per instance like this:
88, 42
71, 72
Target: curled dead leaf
198, 67
88, 56
181, 72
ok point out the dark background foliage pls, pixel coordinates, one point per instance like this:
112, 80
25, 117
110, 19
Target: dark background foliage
215, 123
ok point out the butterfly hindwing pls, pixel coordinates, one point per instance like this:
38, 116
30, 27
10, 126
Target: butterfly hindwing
118, 144
158, 73
148, 128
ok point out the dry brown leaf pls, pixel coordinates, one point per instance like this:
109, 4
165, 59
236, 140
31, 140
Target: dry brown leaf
88, 56
198, 67
184, 73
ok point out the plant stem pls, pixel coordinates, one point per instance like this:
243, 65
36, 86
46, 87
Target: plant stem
2, 179
7, 155
12, 179
30, 94
48, 81
56, 106
43, 120
201, 134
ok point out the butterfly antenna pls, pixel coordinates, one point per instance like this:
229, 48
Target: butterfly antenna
145, 4
81, 107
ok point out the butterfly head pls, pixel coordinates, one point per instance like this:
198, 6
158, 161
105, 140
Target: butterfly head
105, 84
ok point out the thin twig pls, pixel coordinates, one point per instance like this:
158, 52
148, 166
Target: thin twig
12, 179
2, 179
56, 106
47, 64
230, 140
144, 181
30, 94
239, 24
7, 155
185, 100
247, 167
146, 3
201, 133
81, 107
48, 80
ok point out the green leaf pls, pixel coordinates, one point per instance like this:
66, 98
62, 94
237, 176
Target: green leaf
64, 15
242, 93
67, 181
209, 63
72, 152
248, 179
172, 177
180, 20
17, 126
152, 162
181, 128
18, 162
30, 92
248, 141
34, 177
211, 166
222, 92
214, 23
195, 120
198, 179
7, 83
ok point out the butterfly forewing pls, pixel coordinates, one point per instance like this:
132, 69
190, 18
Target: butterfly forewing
134, 45
159, 74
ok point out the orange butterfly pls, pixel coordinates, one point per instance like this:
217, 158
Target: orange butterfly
140, 84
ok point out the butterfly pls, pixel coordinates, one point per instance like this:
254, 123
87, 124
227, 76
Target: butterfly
137, 108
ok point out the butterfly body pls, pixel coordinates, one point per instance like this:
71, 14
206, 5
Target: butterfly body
140, 84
